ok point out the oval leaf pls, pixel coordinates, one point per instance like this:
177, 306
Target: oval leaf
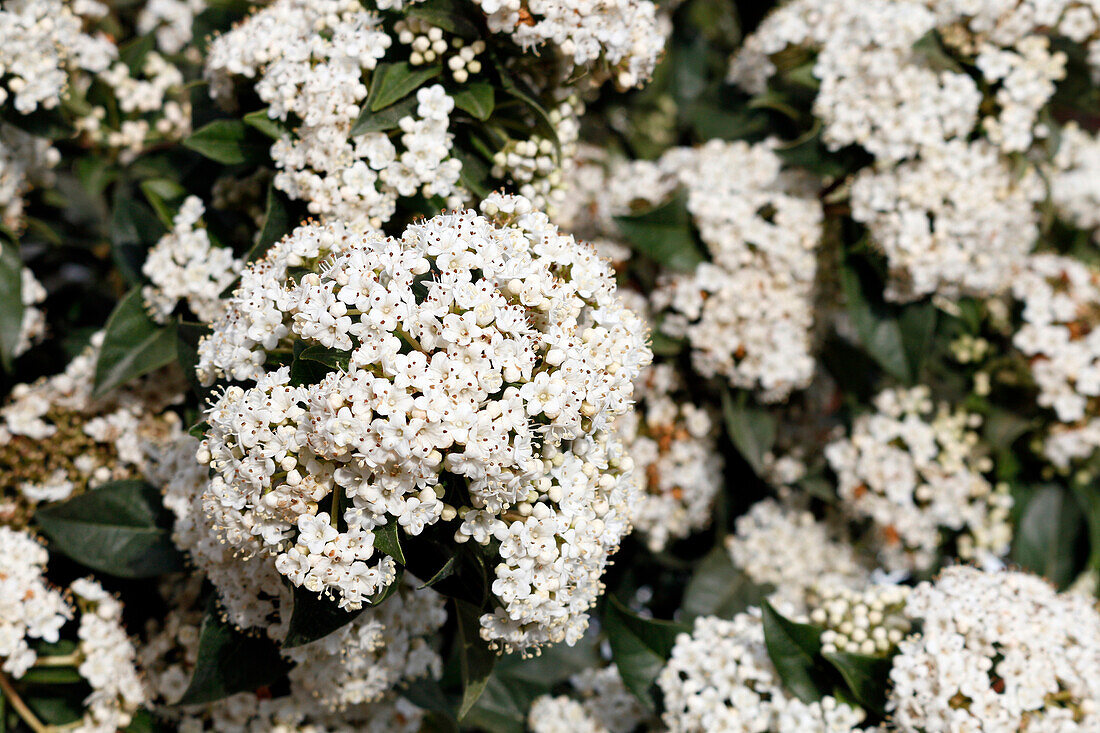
133, 345
794, 650
663, 234
229, 142
640, 647
118, 528
393, 82
11, 300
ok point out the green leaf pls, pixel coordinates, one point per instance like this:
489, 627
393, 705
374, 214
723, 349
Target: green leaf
664, 234
1047, 535
230, 661
449, 15
259, 120
304, 370
11, 300
866, 677
393, 82
476, 659
427, 694
718, 588
133, 345
278, 222
752, 429
165, 196
229, 142
314, 617
794, 650
134, 229
879, 333
119, 528
50, 123
917, 323
640, 647
383, 120
477, 98
332, 358
52, 676
387, 539
443, 573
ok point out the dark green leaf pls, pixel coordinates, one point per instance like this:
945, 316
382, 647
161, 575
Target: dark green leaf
1047, 535
165, 196
476, 659
866, 678
640, 647
118, 528
188, 336
393, 82
11, 300
664, 234
879, 333
387, 540
794, 650
133, 345
229, 142
751, 428
230, 661
332, 358
444, 572
718, 588
446, 14
260, 120
383, 120
918, 328
477, 98
314, 617
134, 229
1087, 499
426, 694
517, 89
474, 174
52, 676
278, 222
49, 123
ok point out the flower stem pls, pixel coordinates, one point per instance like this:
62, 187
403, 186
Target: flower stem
20, 707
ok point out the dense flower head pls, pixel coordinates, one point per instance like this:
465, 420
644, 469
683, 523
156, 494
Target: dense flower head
997, 651
915, 469
1061, 340
486, 361
677, 465
57, 439
956, 222
789, 550
721, 678
29, 607
598, 702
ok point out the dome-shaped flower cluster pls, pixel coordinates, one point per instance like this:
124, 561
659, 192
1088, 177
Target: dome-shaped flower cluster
479, 366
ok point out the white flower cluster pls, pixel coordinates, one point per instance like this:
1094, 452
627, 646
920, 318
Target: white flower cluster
248, 712
916, 469
44, 42
486, 364
720, 677
29, 608
1075, 177
429, 44
997, 651
170, 21
1060, 336
311, 61
956, 222
184, 266
870, 621
598, 703
747, 313
534, 165
109, 661
677, 466
56, 440
369, 657
249, 588
791, 551
25, 161
33, 328
627, 35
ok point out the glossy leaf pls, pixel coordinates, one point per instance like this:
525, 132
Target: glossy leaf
794, 650
477, 98
230, 661
476, 659
640, 647
259, 120
383, 120
718, 588
866, 677
752, 429
11, 300
879, 333
278, 222
387, 540
393, 82
119, 528
664, 234
314, 617
1047, 535
133, 345
229, 142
